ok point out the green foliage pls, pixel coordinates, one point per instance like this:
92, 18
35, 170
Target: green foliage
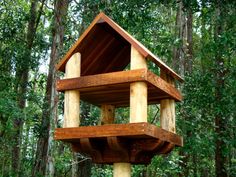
154, 24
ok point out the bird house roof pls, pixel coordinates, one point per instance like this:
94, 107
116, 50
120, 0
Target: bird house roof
105, 47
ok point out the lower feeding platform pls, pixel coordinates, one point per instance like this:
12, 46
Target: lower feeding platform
134, 143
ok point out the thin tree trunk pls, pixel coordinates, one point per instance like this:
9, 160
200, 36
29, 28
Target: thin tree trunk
183, 58
21, 88
179, 51
189, 62
43, 157
220, 120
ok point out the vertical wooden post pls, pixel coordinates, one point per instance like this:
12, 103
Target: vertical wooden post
138, 90
72, 97
121, 169
167, 107
138, 106
107, 117
107, 114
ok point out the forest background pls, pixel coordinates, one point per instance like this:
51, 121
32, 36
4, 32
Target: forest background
195, 37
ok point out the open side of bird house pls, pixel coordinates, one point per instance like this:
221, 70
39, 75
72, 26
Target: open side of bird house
94, 72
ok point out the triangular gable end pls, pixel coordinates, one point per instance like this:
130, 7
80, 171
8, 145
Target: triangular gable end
100, 30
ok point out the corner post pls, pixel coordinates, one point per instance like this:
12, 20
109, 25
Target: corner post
138, 90
72, 97
167, 107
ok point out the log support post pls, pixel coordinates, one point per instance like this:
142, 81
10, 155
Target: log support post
138, 106
138, 90
72, 97
107, 114
167, 110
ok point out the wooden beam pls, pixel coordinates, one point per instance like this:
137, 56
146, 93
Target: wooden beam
72, 97
101, 80
164, 85
167, 107
91, 82
96, 55
141, 130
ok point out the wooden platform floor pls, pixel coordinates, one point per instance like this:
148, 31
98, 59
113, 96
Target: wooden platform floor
135, 143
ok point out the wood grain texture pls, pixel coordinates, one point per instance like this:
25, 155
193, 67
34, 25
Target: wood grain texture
134, 143
106, 33
114, 88
121, 170
101, 80
72, 97
107, 114
138, 90
130, 130
167, 108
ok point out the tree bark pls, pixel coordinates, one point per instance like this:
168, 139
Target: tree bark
22, 73
189, 62
180, 32
43, 158
183, 57
220, 120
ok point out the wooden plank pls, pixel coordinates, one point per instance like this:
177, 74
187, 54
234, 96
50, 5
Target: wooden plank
61, 65
72, 97
140, 47
97, 82
164, 86
95, 54
129, 131
101, 80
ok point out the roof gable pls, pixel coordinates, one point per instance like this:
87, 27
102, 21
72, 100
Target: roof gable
105, 42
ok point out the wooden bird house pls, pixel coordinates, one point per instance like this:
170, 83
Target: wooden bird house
94, 72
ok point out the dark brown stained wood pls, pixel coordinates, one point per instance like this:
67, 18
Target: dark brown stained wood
131, 130
101, 80
114, 88
93, 40
135, 143
163, 85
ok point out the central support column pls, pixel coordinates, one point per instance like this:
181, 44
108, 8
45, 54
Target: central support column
107, 117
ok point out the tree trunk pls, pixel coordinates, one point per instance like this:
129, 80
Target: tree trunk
183, 57
180, 33
220, 119
43, 157
21, 86
189, 62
